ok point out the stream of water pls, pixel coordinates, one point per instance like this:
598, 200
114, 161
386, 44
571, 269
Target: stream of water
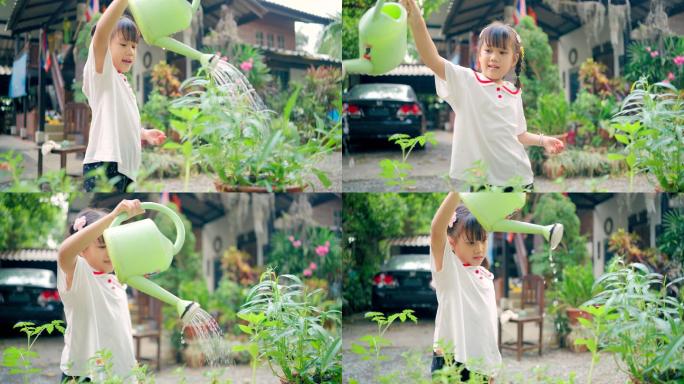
202, 330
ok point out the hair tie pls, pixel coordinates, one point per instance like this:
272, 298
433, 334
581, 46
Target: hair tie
79, 223
453, 220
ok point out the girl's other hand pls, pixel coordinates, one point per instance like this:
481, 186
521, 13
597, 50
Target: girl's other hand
553, 145
130, 207
154, 136
411, 8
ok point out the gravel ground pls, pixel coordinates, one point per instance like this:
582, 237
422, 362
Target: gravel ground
49, 349
557, 363
361, 172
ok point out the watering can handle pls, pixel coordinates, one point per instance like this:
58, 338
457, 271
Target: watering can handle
180, 228
195, 5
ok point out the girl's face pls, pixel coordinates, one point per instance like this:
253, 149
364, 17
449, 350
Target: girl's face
96, 255
495, 62
469, 252
123, 52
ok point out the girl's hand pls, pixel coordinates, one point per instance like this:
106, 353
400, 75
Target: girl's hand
154, 136
412, 9
553, 145
130, 207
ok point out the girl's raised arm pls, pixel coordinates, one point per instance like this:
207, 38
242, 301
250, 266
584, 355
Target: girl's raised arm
103, 31
426, 47
438, 229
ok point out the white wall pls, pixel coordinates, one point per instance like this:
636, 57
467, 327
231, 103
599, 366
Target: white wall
619, 208
139, 69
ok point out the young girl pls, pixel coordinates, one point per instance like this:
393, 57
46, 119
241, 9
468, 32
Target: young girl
95, 303
466, 320
115, 130
490, 122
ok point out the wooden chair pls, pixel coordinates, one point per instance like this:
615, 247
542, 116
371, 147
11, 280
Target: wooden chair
77, 120
148, 325
532, 295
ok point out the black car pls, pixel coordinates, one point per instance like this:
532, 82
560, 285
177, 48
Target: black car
29, 294
404, 281
377, 111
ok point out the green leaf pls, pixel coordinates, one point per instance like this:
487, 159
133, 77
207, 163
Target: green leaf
358, 349
615, 156
171, 145
246, 329
622, 138
323, 177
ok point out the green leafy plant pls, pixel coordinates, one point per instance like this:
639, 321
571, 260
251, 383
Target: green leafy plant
288, 330
651, 125
576, 286
20, 360
551, 116
395, 172
644, 326
582, 162
670, 241
655, 60
189, 123
370, 346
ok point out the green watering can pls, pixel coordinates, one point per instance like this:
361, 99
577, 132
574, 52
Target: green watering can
491, 209
159, 19
139, 248
382, 40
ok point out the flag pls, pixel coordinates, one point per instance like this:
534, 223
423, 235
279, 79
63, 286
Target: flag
520, 11
93, 8
531, 13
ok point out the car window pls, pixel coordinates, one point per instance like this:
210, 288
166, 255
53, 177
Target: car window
408, 262
27, 276
381, 91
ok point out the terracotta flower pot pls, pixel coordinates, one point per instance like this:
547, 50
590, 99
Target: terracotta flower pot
221, 187
576, 313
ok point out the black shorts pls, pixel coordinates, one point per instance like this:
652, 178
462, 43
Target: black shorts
74, 379
438, 363
525, 188
111, 171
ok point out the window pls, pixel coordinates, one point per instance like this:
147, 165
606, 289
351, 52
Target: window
270, 40
281, 41
260, 38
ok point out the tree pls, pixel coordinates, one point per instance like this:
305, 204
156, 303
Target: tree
329, 41
540, 75
30, 220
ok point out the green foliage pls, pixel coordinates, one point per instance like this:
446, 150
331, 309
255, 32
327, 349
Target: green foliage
638, 322
650, 125
155, 112
51, 181
251, 62
554, 208
20, 360
540, 75
395, 172
591, 112
576, 287
84, 37
289, 331
581, 162
30, 220
671, 240
551, 117
329, 42
644, 62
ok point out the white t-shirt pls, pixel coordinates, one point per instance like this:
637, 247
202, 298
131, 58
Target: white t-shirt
489, 117
115, 129
466, 313
97, 317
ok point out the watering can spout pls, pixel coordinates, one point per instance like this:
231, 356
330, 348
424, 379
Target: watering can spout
184, 308
378, 8
357, 66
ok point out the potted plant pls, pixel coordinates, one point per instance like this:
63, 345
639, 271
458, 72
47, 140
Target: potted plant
287, 327
243, 146
575, 289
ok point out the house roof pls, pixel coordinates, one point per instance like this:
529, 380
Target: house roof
29, 255
464, 16
301, 56
410, 70
410, 241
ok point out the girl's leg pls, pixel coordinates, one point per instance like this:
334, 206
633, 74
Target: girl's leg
122, 182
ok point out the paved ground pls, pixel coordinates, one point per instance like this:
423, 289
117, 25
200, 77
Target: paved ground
49, 349
361, 172
198, 183
558, 363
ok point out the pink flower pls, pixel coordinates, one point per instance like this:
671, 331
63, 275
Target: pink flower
322, 250
679, 60
307, 272
654, 54
79, 223
327, 243
670, 76
291, 238
297, 243
313, 266
648, 49
247, 65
